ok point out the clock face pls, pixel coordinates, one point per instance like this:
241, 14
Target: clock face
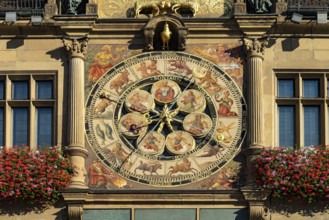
165, 119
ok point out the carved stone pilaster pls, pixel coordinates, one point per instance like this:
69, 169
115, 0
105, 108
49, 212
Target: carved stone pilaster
75, 211
281, 7
50, 9
255, 49
257, 200
91, 7
149, 35
182, 37
77, 49
240, 7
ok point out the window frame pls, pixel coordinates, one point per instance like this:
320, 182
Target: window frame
299, 101
32, 103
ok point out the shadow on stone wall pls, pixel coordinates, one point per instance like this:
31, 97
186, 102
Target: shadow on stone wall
21, 210
301, 208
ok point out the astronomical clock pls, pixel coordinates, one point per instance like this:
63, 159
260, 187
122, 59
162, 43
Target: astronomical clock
165, 119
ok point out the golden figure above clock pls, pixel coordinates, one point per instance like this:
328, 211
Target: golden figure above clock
165, 119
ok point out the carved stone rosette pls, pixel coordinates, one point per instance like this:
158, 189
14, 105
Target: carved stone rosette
255, 49
77, 49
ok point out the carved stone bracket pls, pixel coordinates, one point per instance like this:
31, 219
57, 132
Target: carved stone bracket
182, 37
257, 199
255, 47
76, 47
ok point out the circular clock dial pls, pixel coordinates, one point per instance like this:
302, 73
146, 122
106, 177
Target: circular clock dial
165, 118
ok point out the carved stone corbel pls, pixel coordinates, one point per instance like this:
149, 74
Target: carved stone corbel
240, 7
257, 199
75, 211
182, 37
149, 35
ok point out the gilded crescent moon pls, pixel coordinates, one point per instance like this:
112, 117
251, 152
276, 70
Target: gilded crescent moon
198, 75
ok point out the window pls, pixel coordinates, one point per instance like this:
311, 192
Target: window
302, 106
27, 110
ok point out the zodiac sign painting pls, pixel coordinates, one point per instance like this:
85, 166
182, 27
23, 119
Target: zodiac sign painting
175, 118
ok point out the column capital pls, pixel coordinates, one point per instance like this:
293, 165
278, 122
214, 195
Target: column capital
76, 47
255, 46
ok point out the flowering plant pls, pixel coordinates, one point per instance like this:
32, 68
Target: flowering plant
294, 174
36, 177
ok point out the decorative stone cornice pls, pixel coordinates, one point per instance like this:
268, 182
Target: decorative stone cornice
254, 46
76, 47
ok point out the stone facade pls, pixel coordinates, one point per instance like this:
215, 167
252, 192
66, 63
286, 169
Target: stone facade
253, 50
